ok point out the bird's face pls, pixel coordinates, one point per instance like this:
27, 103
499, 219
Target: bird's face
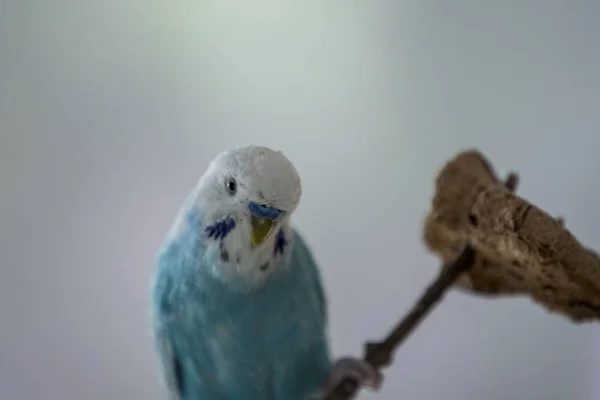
247, 197
256, 187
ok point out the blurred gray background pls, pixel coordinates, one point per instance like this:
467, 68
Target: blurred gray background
110, 111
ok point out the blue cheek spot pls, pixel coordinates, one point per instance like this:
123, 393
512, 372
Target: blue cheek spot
280, 243
220, 229
263, 211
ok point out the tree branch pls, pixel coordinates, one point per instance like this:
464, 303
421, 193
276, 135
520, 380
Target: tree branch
506, 246
379, 355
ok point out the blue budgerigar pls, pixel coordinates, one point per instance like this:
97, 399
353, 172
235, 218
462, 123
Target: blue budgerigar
239, 310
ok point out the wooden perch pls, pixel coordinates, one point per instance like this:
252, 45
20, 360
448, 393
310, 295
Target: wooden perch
379, 354
493, 243
518, 248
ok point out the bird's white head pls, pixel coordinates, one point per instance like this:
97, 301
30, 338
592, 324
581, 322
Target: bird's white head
246, 198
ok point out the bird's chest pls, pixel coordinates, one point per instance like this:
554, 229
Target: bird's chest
266, 330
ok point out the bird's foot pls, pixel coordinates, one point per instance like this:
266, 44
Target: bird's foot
359, 370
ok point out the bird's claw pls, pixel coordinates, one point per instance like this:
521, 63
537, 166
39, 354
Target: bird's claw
361, 371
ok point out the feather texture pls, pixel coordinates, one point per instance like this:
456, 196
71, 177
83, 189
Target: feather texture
214, 343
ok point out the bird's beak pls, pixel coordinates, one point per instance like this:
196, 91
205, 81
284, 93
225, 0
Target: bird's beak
261, 229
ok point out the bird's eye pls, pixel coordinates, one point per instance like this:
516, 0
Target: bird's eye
231, 186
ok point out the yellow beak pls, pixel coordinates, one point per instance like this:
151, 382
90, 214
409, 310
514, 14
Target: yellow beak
261, 229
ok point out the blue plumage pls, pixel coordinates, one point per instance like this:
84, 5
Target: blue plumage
269, 344
220, 229
238, 307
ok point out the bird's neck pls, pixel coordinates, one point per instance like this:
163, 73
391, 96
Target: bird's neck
238, 264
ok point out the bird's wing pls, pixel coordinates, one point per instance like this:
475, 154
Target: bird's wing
185, 358
162, 317
314, 275
170, 365
182, 352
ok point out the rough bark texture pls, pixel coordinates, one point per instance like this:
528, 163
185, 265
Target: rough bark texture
519, 248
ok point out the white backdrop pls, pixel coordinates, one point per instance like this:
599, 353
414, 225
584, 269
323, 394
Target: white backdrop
111, 110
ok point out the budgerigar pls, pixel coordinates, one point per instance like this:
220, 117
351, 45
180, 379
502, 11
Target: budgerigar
239, 311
